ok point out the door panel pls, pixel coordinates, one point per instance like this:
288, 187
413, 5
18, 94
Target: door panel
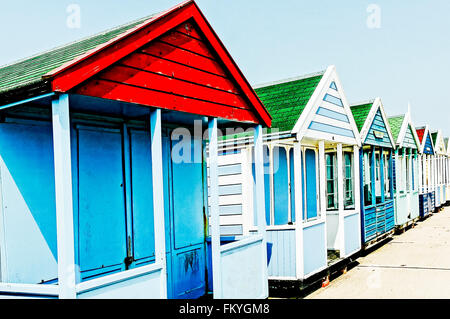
185, 223
142, 195
102, 241
187, 191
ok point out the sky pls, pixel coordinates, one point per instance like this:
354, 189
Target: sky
397, 50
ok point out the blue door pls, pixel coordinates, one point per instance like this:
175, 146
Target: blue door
143, 225
101, 240
185, 220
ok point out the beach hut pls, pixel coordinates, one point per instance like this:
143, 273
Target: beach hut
376, 162
441, 152
311, 177
406, 170
427, 189
103, 181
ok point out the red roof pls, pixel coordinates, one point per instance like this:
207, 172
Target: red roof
174, 61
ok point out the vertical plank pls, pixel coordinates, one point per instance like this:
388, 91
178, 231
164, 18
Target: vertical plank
298, 197
214, 208
63, 195
340, 186
260, 201
127, 180
322, 181
372, 172
420, 178
356, 186
158, 196
272, 187
382, 177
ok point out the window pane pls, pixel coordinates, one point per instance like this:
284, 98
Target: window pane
367, 178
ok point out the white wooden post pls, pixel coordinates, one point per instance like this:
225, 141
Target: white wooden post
260, 201
340, 186
322, 181
323, 194
419, 163
63, 195
298, 197
214, 208
428, 173
356, 185
271, 185
158, 196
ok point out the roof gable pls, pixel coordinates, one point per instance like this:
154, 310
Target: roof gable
403, 131
118, 46
375, 128
427, 145
447, 145
438, 141
327, 114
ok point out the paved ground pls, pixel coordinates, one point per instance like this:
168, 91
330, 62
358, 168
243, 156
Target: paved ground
415, 264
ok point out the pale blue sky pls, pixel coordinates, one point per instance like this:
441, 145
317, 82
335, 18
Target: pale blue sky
406, 60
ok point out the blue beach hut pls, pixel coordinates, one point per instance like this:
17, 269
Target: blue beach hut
376, 163
95, 200
427, 195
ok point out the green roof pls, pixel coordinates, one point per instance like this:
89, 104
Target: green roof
360, 113
396, 123
286, 100
30, 71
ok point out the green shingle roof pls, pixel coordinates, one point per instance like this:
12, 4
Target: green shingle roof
286, 101
360, 113
30, 71
396, 123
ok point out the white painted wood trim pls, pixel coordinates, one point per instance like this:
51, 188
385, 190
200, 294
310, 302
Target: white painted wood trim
241, 243
260, 202
119, 277
158, 196
298, 198
356, 187
63, 194
48, 290
214, 209
340, 185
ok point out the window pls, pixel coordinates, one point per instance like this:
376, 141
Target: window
333, 86
331, 181
349, 201
377, 177
387, 175
367, 178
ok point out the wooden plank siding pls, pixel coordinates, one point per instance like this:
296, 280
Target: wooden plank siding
231, 199
378, 125
408, 140
177, 71
428, 149
331, 116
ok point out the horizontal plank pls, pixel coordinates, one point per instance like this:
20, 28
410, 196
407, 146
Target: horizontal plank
190, 30
172, 53
187, 43
139, 78
128, 93
180, 71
